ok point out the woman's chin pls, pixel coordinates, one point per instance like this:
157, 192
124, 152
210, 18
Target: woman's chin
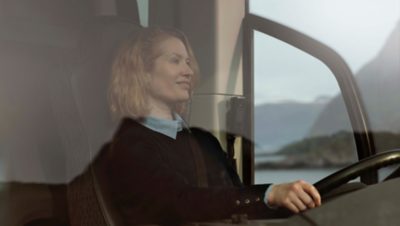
182, 100
184, 97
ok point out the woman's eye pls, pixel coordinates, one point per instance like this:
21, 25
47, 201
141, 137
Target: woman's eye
175, 60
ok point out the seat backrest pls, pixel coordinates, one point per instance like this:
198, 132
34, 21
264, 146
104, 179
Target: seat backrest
98, 169
89, 81
83, 204
89, 197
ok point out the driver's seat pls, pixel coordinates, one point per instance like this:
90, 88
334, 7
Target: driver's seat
89, 202
89, 197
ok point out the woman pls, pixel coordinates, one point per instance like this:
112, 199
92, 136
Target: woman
159, 170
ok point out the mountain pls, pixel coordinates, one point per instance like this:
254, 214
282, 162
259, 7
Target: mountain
279, 123
379, 82
326, 125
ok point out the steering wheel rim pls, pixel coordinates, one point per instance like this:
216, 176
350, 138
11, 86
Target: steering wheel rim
353, 171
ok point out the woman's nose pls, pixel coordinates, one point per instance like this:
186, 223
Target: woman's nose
188, 71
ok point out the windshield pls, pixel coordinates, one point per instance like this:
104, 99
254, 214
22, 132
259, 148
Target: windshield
292, 85
358, 34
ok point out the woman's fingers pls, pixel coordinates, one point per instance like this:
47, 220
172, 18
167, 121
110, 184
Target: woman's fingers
296, 196
292, 207
299, 203
312, 192
306, 199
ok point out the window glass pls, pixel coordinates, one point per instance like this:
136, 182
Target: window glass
366, 35
356, 29
143, 6
296, 136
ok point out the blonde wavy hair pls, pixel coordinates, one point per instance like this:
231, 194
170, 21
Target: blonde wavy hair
130, 78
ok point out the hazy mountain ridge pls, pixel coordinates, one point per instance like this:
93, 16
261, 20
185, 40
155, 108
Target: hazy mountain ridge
278, 123
381, 74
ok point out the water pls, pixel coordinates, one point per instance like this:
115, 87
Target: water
288, 175
309, 175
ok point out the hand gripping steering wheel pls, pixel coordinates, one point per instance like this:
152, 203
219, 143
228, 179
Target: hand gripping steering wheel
353, 171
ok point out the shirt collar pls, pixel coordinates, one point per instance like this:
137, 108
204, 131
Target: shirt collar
169, 128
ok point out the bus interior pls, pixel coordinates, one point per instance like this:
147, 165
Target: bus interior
283, 101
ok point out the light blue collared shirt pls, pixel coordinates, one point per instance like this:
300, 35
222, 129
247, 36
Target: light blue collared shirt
169, 128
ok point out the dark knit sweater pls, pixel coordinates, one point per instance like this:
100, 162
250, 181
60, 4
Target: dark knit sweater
153, 179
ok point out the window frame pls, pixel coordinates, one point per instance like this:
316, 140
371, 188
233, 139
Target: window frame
339, 68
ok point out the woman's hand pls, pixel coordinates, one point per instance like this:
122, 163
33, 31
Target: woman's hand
296, 196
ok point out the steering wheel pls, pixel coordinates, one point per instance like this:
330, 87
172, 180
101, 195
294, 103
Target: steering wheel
353, 171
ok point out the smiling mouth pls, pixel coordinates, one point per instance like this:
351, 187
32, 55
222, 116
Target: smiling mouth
184, 84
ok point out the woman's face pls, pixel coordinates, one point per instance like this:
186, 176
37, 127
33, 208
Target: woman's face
171, 74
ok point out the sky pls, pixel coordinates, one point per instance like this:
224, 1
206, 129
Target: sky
356, 29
